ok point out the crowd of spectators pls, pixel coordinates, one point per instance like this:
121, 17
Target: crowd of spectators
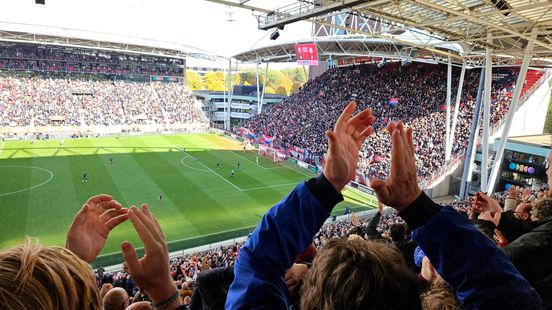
415, 255
31, 57
381, 226
299, 122
43, 101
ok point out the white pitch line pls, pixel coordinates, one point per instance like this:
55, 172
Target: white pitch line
32, 187
190, 238
190, 167
269, 186
234, 185
2, 147
220, 176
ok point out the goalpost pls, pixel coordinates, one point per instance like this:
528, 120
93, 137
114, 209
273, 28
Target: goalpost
271, 153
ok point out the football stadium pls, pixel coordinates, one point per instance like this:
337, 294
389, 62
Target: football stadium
290, 154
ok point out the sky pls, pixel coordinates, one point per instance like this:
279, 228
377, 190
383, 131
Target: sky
197, 23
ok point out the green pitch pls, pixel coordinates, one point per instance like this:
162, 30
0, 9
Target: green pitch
41, 187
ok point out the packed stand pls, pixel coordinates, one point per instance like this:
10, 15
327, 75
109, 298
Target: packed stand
415, 94
278, 267
56, 101
56, 59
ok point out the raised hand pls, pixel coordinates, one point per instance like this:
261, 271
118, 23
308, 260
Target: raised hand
486, 203
344, 144
151, 272
401, 188
526, 194
354, 220
513, 192
92, 224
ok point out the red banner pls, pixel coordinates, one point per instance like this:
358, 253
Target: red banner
306, 54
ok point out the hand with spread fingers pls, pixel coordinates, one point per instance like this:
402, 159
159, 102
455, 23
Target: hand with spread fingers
151, 272
345, 142
401, 188
91, 226
486, 203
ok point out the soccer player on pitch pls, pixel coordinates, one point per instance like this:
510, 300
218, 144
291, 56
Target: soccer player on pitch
239, 165
161, 198
232, 174
84, 176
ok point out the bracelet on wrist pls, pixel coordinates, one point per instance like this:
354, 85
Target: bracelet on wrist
165, 303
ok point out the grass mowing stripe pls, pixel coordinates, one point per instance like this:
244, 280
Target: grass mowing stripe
199, 208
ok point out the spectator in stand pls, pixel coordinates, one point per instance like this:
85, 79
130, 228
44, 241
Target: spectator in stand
60, 101
291, 224
299, 122
531, 253
116, 299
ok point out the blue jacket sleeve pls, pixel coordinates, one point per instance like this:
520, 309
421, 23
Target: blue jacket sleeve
284, 231
479, 272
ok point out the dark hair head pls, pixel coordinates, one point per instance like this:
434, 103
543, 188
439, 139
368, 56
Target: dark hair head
357, 274
396, 232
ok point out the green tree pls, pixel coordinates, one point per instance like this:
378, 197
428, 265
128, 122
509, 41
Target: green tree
281, 90
195, 81
214, 81
276, 79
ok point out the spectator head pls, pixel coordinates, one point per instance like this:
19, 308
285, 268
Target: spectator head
542, 209
522, 211
358, 274
37, 277
396, 232
187, 300
115, 299
140, 305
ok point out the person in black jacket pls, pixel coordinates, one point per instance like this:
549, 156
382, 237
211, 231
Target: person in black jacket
531, 253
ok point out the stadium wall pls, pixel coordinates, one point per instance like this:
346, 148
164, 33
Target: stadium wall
530, 118
316, 71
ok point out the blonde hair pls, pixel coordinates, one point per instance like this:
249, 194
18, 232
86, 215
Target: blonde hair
440, 296
37, 277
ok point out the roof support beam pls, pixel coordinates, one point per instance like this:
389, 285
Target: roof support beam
486, 118
478, 20
511, 111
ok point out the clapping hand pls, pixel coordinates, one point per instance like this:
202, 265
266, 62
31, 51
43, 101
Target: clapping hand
91, 226
151, 272
344, 144
401, 188
486, 203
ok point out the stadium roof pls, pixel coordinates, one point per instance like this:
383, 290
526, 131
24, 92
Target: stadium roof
37, 34
504, 26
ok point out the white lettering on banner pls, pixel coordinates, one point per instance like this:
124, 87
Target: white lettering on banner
281, 155
303, 164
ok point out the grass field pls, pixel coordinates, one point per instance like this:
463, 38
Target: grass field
41, 187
